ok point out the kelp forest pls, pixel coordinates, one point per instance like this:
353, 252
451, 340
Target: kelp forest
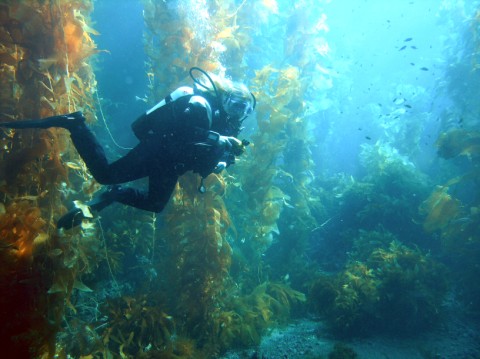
275, 238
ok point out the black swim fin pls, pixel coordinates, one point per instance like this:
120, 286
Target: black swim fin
67, 121
75, 216
71, 219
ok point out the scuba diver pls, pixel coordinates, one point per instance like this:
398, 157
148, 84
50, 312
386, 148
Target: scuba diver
192, 129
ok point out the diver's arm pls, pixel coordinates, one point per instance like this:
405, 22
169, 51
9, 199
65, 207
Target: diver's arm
198, 116
217, 153
214, 151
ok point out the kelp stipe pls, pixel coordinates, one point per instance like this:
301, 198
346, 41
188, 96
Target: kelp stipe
456, 218
45, 45
197, 235
458, 146
278, 192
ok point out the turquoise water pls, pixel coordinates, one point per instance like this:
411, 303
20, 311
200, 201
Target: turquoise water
380, 230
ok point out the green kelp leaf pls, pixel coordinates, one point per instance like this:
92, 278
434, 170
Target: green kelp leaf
440, 209
81, 287
57, 287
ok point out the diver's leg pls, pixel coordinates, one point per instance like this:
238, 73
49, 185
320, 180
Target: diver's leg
161, 184
65, 121
91, 152
75, 216
134, 165
159, 193
160, 188
83, 139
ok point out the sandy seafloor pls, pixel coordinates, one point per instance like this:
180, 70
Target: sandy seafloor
457, 338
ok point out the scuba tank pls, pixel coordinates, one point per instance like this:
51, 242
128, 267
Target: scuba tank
155, 120
162, 118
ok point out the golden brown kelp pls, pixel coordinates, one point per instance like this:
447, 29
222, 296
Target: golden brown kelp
243, 319
201, 255
279, 164
201, 295
197, 224
459, 142
454, 204
441, 210
456, 216
43, 45
276, 88
209, 35
279, 169
390, 288
178, 37
137, 326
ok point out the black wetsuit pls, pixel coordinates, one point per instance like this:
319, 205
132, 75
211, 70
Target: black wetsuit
179, 143
185, 131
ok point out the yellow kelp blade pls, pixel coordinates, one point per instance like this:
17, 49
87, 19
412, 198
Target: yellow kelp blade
459, 142
440, 209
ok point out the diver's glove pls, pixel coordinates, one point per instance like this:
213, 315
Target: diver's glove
237, 147
216, 153
233, 147
81, 211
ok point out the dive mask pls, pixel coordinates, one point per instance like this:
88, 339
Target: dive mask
237, 106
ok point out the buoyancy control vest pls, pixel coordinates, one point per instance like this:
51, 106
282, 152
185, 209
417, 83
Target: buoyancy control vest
180, 109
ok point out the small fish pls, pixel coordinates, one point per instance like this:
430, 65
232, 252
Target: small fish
368, 137
287, 204
424, 68
413, 47
412, 63
73, 165
402, 48
408, 106
408, 39
463, 220
144, 99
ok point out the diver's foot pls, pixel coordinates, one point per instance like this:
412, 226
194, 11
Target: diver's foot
68, 121
71, 219
112, 194
75, 216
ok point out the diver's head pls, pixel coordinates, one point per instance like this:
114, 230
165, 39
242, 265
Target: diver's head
233, 99
237, 101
